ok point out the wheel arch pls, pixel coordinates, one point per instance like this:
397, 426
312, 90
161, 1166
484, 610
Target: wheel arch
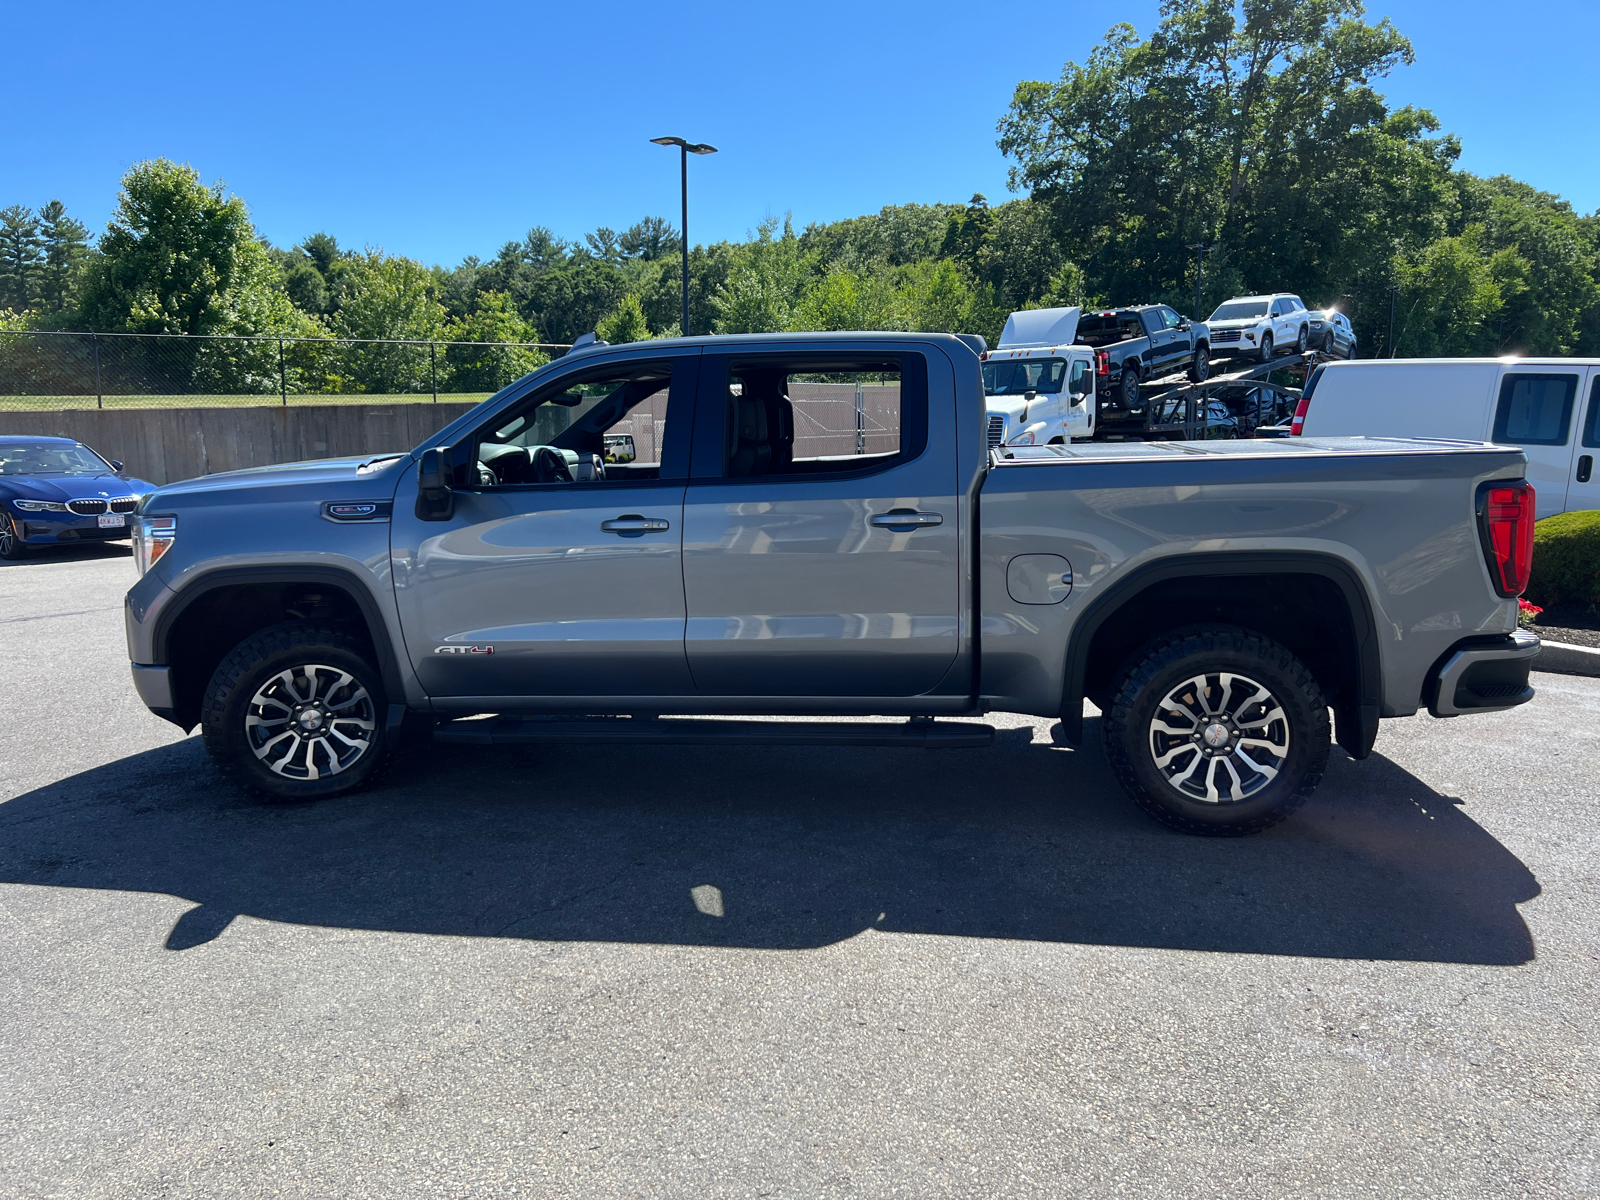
229, 604
1347, 664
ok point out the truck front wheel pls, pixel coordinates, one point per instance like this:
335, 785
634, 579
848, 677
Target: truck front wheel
1218, 731
295, 712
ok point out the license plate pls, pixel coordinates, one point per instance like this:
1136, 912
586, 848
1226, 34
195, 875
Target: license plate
112, 521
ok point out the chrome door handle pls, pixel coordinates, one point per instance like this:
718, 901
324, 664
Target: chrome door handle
904, 519
632, 525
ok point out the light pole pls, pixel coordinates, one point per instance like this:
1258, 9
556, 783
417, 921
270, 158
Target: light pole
685, 149
1394, 290
1200, 250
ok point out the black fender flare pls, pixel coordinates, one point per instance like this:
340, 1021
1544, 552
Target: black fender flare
345, 580
1356, 725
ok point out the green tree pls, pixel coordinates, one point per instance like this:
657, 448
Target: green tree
390, 298
765, 282
65, 243
625, 323
1241, 125
181, 257
1446, 299
21, 258
488, 368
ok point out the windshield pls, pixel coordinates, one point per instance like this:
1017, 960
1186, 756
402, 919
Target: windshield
1104, 330
50, 458
1239, 310
1024, 375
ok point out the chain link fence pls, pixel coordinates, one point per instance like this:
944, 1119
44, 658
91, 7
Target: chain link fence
50, 371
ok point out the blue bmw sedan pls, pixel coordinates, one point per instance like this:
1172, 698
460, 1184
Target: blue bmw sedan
58, 492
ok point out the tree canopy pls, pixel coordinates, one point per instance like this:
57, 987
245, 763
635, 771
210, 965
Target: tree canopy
1253, 128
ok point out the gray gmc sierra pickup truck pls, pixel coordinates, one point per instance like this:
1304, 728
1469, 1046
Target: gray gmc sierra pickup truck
635, 537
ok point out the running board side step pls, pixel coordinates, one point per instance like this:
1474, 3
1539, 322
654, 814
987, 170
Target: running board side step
515, 731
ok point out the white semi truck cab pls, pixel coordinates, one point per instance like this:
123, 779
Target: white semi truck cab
1038, 386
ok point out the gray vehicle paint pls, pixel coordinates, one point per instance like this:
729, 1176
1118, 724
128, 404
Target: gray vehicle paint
791, 600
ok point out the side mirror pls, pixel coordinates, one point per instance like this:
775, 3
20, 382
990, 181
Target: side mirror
435, 502
1183, 324
115, 465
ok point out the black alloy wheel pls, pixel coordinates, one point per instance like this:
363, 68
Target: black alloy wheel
1200, 367
1303, 341
11, 544
1128, 389
1215, 730
296, 712
1266, 347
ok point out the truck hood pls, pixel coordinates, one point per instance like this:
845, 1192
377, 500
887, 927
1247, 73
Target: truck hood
377, 473
1010, 406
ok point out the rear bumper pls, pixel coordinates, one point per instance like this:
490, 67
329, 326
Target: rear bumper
1485, 676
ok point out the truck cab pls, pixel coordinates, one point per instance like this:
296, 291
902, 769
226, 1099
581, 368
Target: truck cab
1038, 386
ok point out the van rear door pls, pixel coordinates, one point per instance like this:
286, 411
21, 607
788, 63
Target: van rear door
1534, 411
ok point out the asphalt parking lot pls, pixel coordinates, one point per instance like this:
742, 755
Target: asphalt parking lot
706, 972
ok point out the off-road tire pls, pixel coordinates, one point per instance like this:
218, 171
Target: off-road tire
1267, 351
12, 546
251, 667
1200, 367
1128, 389
1151, 676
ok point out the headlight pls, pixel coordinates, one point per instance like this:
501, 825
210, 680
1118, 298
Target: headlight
1023, 439
1251, 336
39, 506
152, 537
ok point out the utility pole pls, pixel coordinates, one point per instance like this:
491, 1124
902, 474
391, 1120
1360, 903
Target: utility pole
685, 149
1201, 250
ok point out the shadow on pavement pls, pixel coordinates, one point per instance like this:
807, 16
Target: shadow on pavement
82, 552
793, 847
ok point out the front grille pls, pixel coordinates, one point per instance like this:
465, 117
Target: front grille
125, 504
86, 508
997, 431
1225, 335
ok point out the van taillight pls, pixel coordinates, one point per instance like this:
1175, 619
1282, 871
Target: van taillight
1102, 362
1505, 525
1297, 427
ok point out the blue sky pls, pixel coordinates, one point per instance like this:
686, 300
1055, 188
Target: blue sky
439, 131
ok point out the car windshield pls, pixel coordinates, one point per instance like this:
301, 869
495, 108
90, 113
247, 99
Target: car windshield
50, 458
1024, 375
1239, 310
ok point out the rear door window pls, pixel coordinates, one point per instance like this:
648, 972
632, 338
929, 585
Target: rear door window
1535, 410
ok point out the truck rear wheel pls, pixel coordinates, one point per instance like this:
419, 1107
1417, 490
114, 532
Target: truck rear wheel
1128, 389
1217, 731
295, 713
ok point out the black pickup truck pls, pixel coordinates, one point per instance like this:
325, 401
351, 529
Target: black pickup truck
1143, 341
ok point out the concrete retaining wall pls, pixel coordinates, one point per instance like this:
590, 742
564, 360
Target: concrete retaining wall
166, 444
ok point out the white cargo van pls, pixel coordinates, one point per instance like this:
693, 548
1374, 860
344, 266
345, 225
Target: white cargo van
1550, 407
1038, 386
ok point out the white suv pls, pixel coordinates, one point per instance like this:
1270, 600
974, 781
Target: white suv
1259, 325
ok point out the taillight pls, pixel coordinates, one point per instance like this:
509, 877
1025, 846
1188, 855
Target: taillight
1505, 524
1297, 427
1102, 362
